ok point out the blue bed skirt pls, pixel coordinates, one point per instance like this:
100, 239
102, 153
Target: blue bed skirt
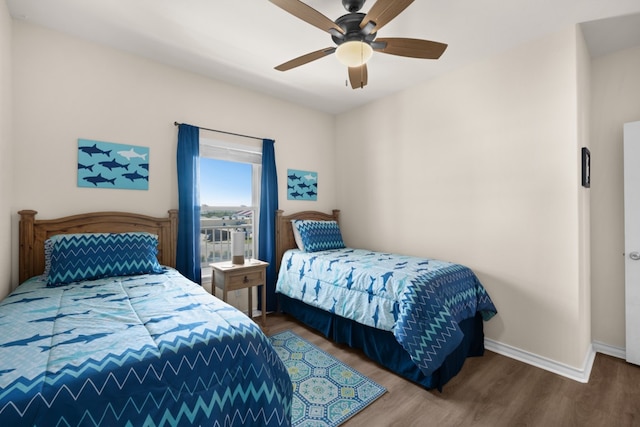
382, 347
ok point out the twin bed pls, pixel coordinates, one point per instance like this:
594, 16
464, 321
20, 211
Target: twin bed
420, 318
101, 332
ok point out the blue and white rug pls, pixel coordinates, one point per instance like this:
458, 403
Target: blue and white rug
326, 392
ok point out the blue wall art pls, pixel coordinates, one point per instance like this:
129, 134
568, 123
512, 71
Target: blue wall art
109, 165
302, 185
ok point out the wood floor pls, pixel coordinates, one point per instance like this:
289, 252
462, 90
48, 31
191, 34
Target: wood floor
492, 390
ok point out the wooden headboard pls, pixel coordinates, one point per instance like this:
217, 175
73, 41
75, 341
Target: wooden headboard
284, 232
33, 233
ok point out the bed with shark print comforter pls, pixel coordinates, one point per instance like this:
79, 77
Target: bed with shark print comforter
422, 303
150, 349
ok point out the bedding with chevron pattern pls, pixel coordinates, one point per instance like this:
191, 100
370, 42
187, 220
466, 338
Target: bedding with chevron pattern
144, 350
421, 301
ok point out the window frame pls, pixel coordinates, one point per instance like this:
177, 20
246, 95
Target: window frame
241, 153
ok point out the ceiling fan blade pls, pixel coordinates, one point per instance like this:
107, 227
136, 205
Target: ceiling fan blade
308, 15
383, 11
304, 59
413, 48
358, 76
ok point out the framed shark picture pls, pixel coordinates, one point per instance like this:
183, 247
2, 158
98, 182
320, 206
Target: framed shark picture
302, 185
109, 165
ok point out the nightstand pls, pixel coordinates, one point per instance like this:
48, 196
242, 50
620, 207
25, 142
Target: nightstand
231, 277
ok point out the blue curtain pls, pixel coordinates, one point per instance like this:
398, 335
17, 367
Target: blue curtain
267, 224
188, 250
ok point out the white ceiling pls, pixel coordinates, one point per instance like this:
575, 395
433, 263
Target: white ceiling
240, 41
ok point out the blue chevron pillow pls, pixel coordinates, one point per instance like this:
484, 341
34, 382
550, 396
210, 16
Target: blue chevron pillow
319, 235
88, 256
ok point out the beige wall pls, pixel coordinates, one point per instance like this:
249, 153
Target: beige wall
6, 165
66, 89
481, 167
615, 92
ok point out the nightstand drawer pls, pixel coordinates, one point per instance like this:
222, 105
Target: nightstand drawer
245, 279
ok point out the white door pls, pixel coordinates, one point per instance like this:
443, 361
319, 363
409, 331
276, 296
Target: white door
632, 239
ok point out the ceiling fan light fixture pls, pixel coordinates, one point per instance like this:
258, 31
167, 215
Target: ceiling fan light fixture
354, 53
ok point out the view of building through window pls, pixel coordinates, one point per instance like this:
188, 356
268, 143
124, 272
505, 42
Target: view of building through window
226, 206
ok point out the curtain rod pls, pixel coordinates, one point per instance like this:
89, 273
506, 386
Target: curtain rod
225, 132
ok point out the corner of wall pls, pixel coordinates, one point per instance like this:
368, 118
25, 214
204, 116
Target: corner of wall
6, 152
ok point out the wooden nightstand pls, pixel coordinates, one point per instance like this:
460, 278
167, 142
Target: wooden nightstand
231, 277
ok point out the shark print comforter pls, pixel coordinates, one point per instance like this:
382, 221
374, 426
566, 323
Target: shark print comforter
148, 350
421, 301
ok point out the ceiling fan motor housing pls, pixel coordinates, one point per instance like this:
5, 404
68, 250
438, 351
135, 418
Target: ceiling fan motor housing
350, 23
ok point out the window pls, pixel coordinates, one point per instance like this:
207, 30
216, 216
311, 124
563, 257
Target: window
229, 197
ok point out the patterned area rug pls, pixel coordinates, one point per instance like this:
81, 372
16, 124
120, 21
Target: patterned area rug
326, 392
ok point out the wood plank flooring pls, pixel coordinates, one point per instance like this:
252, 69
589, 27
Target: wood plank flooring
492, 390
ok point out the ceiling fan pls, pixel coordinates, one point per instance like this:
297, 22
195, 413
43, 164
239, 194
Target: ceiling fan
355, 36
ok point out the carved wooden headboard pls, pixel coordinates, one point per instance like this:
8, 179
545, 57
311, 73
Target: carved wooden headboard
284, 232
34, 232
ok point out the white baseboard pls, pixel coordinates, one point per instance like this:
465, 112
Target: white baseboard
580, 375
609, 350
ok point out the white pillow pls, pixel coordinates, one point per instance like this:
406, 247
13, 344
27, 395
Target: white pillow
296, 235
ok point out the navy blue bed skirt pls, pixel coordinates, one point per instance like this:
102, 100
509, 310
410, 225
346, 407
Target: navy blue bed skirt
382, 347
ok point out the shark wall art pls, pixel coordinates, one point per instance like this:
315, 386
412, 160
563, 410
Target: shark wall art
302, 185
109, 165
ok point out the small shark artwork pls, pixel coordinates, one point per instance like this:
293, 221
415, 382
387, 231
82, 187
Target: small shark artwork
370, 289
350, 279
396, 311
57, 316
25, 300
111, 164
385, 278
400, 265
84, 339
317, 289
189, 307
185, 327
99, 179
91, 150
87, 167
134, 175
313, 258
333, 307
32, 339
376, 316
302, 185
302, 270
130, 154
158, 319
96, 296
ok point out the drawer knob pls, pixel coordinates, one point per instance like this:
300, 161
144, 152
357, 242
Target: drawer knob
245, 279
